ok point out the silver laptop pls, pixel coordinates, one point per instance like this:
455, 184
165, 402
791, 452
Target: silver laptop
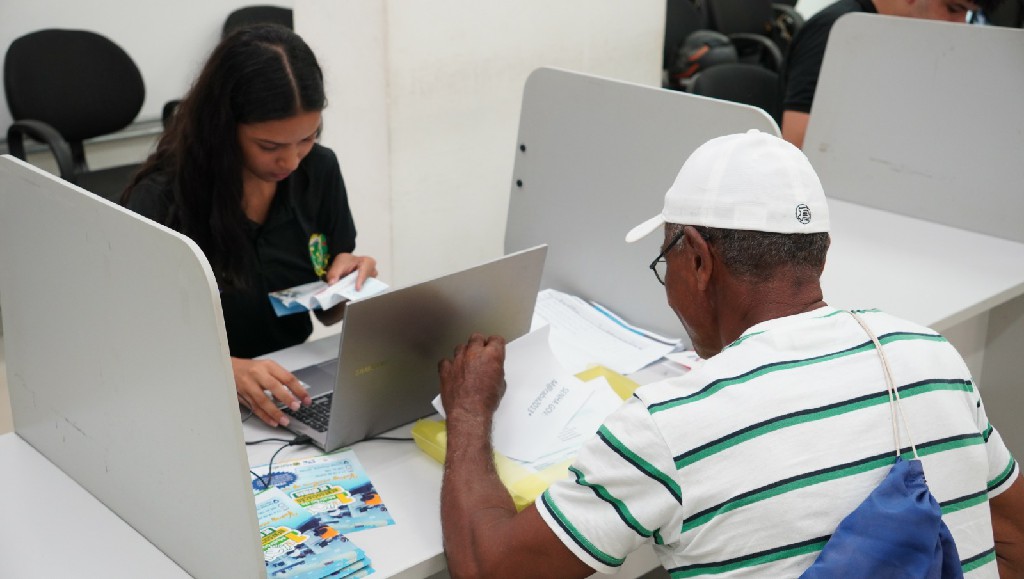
386, 372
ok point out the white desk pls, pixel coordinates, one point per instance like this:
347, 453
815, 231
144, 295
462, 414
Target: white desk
52, 527
407, 479
933, 274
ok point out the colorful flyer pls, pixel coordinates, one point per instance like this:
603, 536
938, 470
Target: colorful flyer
299, 545
332, 487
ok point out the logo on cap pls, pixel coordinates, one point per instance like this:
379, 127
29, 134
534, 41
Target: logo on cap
803, 214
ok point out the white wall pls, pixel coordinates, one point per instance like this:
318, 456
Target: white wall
424, 108
169, 40
808, 8
424, 97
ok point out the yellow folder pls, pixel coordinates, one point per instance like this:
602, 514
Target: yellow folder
524, 485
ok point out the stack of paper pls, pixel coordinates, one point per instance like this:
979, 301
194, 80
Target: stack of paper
319, 295
310, 506
584, 334
546, 412
298, 545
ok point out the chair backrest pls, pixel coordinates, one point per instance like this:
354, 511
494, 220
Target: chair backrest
748, 16
79, 82
258, 14
681, 18
1009, 13
742, 83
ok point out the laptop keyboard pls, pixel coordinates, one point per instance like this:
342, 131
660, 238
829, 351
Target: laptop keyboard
315, 415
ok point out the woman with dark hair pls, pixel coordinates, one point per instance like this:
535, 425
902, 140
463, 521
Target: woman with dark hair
239, 172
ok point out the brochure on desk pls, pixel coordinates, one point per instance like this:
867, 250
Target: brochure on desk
298, 545
333, 487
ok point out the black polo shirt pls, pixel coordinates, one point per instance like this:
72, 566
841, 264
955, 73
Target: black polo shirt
311, 201
803, 64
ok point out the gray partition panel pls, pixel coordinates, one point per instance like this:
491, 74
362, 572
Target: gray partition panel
594, 158
924, 119
118, 371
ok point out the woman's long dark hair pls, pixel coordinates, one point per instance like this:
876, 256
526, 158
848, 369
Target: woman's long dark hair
260, 73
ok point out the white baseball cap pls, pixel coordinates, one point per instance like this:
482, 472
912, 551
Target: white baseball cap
752, 181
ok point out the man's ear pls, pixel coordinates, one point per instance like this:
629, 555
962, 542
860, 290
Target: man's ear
703, 260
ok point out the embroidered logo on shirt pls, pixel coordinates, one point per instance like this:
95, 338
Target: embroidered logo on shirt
318, 253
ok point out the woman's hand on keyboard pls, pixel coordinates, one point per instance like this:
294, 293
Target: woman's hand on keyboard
263, 384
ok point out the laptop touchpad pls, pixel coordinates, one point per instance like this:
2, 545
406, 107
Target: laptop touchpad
320, 378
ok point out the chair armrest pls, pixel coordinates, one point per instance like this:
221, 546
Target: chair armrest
46, 134
789, 13
787, 22
766, 46
167, 113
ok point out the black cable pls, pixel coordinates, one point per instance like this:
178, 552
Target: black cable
299, 440
262, 440
266, 484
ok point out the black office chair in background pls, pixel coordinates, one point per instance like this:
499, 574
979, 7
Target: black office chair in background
682, 18
744, 83
258, 14
66, 86
244, 16
761, 29
1008, 13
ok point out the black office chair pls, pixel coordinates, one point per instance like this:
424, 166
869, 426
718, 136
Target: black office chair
761, 30
260, 14
66, 86
1008, 13
244, 16
744, 83
682, 17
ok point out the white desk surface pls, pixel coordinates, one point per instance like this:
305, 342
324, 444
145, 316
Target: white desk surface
931, 274
407, 479
52, 527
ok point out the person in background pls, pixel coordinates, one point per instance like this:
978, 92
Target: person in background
240, 172
803, 63
744, 466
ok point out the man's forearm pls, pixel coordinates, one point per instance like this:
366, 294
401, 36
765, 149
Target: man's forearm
473, 498
1008, 528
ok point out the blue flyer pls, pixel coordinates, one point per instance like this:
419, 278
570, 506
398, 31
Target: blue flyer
298, 545
332, 487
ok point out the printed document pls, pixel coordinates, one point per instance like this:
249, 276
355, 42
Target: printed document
540, 399
584, 334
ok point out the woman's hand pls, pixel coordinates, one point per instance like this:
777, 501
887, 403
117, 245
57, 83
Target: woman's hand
346, 263
254, 379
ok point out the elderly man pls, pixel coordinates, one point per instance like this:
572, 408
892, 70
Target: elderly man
745, 465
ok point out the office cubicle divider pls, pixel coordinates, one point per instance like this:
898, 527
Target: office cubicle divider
118, 370
595, 157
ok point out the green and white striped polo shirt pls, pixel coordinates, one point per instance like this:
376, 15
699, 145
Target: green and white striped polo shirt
745, 465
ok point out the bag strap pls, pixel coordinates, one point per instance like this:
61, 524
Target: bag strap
895, 408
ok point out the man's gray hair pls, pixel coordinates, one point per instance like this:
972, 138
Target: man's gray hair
758, 254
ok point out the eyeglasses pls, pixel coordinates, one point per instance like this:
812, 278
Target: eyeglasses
658, 266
